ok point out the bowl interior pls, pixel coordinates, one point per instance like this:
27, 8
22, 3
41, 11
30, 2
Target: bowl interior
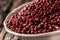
25, 35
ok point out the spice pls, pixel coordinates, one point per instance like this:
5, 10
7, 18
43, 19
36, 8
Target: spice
38, 17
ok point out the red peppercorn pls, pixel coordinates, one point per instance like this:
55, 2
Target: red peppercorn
40, 16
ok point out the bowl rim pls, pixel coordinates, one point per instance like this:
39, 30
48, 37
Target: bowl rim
26, 35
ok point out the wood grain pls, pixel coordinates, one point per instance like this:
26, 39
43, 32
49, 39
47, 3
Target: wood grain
2, 34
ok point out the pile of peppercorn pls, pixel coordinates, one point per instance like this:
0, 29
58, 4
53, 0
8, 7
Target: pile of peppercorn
40, 16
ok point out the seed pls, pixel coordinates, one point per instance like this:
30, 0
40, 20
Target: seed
40, 16
58, 19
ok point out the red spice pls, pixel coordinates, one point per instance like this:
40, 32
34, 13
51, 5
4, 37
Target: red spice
38, 17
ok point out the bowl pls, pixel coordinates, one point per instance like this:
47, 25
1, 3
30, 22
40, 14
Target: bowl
55, 35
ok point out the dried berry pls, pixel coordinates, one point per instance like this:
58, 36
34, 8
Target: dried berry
38, 17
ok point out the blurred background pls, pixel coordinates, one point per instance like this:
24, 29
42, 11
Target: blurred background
5, 7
